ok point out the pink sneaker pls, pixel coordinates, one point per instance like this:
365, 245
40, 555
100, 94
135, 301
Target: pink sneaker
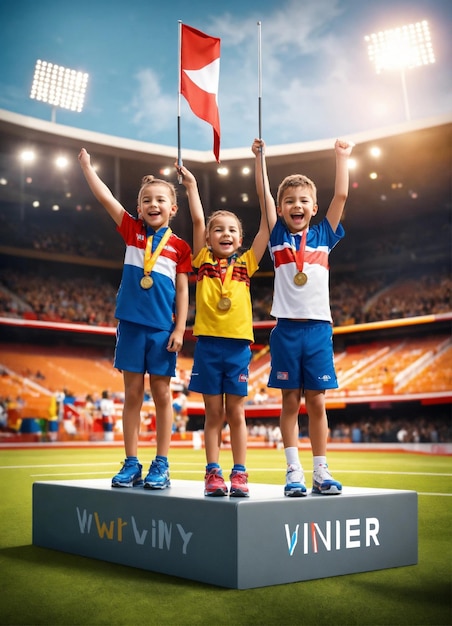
239, 484
214, 484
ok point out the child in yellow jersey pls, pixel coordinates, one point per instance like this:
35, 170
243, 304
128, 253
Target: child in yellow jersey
224, 330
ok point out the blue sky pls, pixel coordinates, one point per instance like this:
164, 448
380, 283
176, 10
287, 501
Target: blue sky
317, 80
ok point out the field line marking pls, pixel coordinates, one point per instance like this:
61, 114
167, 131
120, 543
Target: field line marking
109, 463
93, 473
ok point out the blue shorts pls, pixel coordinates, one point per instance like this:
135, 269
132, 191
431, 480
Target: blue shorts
302, 355
221, 366
52, 426
141, 349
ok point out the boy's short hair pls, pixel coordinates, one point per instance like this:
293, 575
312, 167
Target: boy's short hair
151, 180
296, 180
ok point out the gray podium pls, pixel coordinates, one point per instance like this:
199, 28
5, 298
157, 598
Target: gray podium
239, 543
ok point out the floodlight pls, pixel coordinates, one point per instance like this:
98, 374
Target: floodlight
27, 156
61, 162
59, 86
399, 49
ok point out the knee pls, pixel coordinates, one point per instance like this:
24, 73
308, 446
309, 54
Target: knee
315, 403
161, 393
133, 395
236, 417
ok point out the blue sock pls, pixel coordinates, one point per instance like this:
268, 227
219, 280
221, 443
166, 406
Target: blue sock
163, 459
211, 466
134, 459
238, 468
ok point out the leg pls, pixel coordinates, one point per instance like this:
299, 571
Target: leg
130, 474
295, 486
289, 416
214, 420
158, 476
235, 416
214, 485
131, 418
161, 394
318, 421
322, 481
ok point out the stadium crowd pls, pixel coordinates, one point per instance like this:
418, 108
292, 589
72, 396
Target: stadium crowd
395, 274
367, 430
92, 300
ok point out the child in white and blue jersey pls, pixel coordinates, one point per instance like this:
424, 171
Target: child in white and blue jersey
301, 344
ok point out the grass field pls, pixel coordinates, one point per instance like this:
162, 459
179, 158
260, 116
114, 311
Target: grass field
40, 586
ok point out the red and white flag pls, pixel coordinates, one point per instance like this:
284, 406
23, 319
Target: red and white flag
199, 78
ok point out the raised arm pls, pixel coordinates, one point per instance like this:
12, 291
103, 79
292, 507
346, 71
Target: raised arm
343, 150
100, 190
196, 210
266, 201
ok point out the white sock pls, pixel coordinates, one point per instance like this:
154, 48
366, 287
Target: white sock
292, 457
318, 461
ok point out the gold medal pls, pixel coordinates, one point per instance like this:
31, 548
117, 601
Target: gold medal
300, 279
224, 304
146, 282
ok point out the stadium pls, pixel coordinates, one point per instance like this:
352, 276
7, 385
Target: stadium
391, 299
390, 285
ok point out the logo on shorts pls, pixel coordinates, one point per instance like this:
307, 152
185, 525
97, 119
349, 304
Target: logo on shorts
282, 375
325, 377
243, 378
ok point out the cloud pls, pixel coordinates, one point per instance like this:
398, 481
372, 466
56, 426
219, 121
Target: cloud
153, 111
300, 65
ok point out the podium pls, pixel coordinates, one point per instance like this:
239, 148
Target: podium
240, 543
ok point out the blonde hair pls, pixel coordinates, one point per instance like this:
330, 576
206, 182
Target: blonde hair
151, 180
296, 180
221, 213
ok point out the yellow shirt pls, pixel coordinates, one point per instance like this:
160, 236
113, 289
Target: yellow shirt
236, 322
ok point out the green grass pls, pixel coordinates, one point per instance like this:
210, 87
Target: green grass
40, 586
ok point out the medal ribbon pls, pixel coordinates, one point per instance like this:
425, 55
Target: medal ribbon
299, 254
226, 277
151, 259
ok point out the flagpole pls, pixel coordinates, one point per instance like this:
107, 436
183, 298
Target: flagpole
179, 151
259, 75
259, 90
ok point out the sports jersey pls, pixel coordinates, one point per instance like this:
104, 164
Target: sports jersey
237, 322
311, 300
154, 307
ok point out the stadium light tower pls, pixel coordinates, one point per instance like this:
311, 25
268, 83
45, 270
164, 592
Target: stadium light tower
59, 86
400, 49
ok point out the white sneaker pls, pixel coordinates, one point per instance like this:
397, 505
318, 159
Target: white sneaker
324, 483
295, 482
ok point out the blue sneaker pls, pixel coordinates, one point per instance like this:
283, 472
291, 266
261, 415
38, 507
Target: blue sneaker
158, 476
323, 482
129, 475
295, 487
